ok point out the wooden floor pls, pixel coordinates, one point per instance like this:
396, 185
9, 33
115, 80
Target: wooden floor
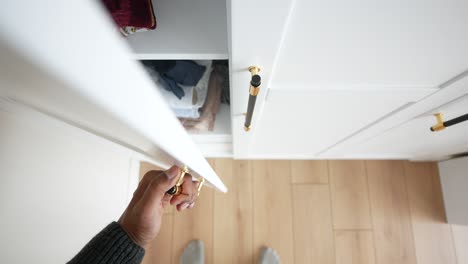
359, 212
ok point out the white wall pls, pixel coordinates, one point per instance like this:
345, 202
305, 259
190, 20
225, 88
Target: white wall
454, 178
59, 186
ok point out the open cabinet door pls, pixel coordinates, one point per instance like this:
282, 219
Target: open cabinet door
66, 59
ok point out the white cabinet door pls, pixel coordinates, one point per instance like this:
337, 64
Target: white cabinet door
67, 59
406, 134
304, 124
255, 31
392, 43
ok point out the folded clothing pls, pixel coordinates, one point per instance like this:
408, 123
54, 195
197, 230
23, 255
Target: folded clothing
132, 15
210, 108
187, 113
194, 96
200, 91
177, 72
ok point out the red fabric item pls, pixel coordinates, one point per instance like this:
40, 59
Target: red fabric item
132, 13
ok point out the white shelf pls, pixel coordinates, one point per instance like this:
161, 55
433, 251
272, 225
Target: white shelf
180, 56
194, 29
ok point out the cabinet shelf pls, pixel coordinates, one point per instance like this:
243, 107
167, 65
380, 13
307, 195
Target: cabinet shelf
194, 30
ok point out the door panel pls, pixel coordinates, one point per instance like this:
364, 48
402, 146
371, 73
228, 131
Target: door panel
414, 140
406, 44
302, 124
88, 78
256, 30
406, 135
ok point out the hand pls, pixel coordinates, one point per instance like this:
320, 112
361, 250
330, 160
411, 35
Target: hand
142, 218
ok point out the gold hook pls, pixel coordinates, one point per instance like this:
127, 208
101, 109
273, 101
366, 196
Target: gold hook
440, 123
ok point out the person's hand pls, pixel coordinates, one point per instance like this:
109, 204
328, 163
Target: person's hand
142, 218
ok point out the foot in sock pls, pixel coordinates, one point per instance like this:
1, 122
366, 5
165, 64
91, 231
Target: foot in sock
194, 253
269, 256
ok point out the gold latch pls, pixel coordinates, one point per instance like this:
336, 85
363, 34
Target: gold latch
440, 123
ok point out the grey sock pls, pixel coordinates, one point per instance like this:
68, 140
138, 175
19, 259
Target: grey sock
194, 253
269, 256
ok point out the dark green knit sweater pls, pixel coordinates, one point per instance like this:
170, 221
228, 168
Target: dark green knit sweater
111, 245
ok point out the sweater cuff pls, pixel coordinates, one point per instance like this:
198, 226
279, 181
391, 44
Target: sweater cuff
111, 245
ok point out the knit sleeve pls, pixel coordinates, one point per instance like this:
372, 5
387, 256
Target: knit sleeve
111, 245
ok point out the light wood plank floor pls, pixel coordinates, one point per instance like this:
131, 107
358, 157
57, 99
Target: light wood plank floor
344, 212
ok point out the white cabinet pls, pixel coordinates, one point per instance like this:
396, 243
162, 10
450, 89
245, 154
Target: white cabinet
407, 135
383, 55
334, 74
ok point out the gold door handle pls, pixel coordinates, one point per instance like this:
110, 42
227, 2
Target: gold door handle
441, 124
177, 189
255, 83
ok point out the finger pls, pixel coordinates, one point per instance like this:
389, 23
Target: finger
182, 196
188, 186
159, 185
183, 206
186, 191
180, 199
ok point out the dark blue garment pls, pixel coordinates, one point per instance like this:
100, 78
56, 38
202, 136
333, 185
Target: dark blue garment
170, 85
186, 72
177, 72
